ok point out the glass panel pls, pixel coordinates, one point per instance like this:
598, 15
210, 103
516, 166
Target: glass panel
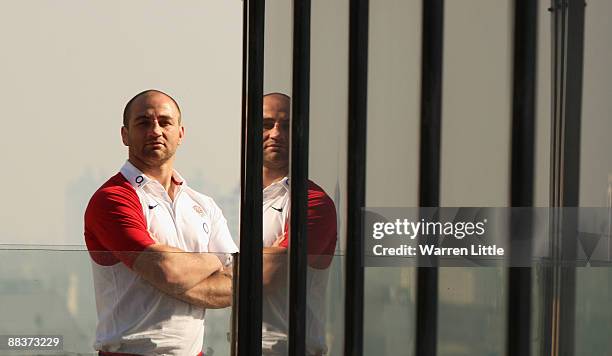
475, 164
48, 292
542, 167
68, 70
52, 292
595, 158
392, 176
68, 78
276, 161
327, 169
593, 315
476, 103
472, 311
594, 285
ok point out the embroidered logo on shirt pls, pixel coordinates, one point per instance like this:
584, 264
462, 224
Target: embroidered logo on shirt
153, 206
139, 180
280, 210
198, 209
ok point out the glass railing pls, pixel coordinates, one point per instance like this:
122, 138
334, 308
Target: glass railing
50, 292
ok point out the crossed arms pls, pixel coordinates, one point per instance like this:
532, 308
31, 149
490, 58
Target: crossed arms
195, 278
114, 223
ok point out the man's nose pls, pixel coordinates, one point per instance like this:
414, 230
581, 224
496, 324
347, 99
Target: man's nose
276, 131
155, 129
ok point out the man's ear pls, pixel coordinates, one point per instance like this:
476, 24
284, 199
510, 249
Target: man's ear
124, 136
181, 134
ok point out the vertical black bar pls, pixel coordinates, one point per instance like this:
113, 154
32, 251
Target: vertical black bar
234, 316
571, 169
518, 341
573, 101
547, 272
568, 52
429, 172
356, 173
299, 177
250, 273
523, 101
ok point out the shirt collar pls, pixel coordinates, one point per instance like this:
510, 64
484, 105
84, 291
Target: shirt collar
138, 179
277, 187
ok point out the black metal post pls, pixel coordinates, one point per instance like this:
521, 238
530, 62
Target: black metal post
250, 270
234, 317
429, 173
518, 340
560, 292
299, 177
356, 173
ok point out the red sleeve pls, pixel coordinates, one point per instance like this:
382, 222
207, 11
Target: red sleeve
322, 233
114, 225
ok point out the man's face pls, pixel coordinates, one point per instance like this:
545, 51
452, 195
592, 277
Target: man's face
276, 131
154, 130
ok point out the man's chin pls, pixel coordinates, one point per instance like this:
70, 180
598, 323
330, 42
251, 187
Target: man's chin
156, 157
275, 161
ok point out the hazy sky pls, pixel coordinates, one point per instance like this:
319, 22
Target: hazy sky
67, 69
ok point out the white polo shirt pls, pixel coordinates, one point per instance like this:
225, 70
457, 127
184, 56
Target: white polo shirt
133, 316
322, 234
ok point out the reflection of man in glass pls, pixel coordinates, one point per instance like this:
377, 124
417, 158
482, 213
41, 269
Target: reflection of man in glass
321, 237
150, 295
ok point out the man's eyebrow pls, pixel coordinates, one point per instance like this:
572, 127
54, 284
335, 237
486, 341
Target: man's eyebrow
159, 117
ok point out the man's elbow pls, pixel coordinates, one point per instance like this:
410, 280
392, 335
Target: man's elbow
218, 303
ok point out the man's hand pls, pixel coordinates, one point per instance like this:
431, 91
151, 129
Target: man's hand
279, 240
227, 271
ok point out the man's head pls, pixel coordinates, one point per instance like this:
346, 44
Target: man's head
276, 109
152, 128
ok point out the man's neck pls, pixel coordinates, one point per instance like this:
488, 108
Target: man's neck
273, 175
162, 173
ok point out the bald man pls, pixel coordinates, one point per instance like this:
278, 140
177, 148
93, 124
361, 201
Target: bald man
151, 296
321, 225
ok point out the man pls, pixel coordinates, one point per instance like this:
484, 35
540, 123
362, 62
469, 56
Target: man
151, 296
321, 220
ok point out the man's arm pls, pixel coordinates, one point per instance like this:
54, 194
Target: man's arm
114, 222
322, 233
274, 263
212, 293
173, 270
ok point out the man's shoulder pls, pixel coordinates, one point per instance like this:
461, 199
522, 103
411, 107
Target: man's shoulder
318, 194
116, 188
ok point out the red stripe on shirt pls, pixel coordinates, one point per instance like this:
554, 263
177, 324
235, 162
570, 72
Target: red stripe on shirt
322, 230
115, 226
